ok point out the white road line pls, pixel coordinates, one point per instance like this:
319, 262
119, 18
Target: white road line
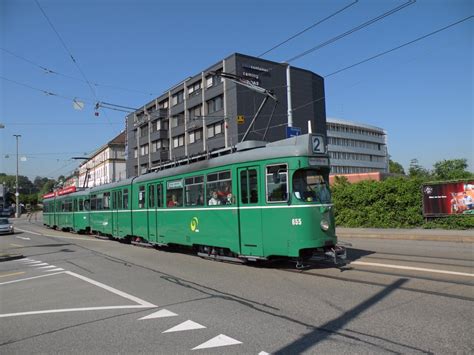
29, 278
33, 262
70, 310
220, 340
412, 268
53, 270
162, 313
40, 264
63, 237
113, 290
47, 267
24, 238
188, 325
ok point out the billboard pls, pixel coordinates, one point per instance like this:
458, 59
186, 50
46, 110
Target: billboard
448, 198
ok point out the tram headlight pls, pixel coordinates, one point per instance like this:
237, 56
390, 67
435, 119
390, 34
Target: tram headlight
324, 224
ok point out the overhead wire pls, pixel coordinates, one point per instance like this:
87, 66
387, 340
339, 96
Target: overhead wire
51, 71
398, 47
352, 30
309, 28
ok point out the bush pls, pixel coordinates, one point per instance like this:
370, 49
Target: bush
392, 203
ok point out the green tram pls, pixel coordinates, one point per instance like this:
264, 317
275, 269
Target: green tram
259, 203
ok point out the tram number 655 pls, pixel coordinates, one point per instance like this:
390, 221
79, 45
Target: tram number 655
296, 222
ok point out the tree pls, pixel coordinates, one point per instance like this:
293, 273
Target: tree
395, 168
451, 169
416, 170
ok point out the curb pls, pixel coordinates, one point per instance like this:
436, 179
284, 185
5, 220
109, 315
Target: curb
8, 257
431, 238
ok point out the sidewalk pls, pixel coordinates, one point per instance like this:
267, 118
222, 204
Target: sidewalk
440, 235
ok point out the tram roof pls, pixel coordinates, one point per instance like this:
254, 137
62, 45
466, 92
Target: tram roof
291, 147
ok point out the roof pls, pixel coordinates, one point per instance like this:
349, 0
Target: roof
355, 124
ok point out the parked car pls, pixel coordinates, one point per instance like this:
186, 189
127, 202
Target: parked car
6, 227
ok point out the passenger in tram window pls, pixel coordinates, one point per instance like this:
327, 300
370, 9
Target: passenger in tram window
222, 194
214, 200
228, 200
173, 202
253, 196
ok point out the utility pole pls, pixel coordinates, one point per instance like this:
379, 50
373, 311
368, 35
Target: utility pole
17, 194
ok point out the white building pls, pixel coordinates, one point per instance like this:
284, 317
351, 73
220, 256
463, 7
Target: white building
106, 165
356, 148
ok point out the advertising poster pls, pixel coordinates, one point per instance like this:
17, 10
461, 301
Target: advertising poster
453, 198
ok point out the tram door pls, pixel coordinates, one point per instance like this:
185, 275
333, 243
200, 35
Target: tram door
116, 205
250, 215
152, 220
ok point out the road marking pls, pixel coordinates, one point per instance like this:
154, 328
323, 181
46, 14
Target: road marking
28, 278
412, 268
32, 262
16, 245
220, 340
141, 303
113, 290
49, 311
188, 325
24, 238
160, 314
263, 353
40, 264
64, 237
53, 270
13, 274
47, 267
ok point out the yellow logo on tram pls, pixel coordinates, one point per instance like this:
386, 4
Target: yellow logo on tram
194, 225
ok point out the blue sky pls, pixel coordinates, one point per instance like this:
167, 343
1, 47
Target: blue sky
421, 94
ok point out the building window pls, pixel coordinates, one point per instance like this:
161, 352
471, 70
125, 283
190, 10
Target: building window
178, 141
212, 80
215, 104
162, 125
135, 153
215, 129
177, 98
144, 149
195, 136
194, 89
144, 131
195, 112
163, 104
160, 144
177, 120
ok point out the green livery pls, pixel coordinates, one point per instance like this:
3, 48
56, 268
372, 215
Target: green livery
268, 202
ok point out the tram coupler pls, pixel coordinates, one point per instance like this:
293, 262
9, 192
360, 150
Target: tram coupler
337, 254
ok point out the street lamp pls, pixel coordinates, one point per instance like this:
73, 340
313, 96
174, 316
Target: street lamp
17, 194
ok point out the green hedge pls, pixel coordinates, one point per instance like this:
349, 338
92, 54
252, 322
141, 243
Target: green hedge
392, 203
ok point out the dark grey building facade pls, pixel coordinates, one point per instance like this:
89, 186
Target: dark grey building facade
206, 113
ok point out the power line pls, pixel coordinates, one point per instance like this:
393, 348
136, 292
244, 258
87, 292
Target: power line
308, 28
51, 71
66, 48
352, 30
400, 46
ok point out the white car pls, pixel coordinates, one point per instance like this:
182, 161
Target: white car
6, 227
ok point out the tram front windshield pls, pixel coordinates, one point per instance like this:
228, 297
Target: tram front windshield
310, 185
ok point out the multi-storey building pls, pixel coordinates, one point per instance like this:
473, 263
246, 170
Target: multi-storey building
107, 164
206, 113
356, 148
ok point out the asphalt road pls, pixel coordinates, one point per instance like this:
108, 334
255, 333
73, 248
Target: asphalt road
78, 294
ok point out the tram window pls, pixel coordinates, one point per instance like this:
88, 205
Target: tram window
81, 204
311, 185
98, 202
141, 197
75, 205
125, 198
174, 193
119, 200
87, 205
277, 183
159, 195
194, 191
151, 196
219, 188
106, 201
249, 186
